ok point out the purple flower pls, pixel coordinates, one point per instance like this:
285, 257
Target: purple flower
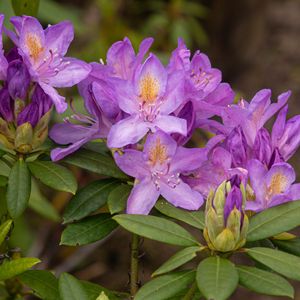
157, 171
271, 187
43, 53
148, 99
6, 105
3, 61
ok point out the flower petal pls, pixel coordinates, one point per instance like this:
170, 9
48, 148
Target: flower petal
171, 124
60, 153
182, 196
142, 198
126, 132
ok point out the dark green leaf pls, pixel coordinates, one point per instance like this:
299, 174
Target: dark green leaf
118, 197
166, 286
290, 246
18, 190
54, 176
88, 230
274, 220
26, 7
156, 228
89, 199
281, 262
177, 260
43, 283
195, 219
95, 162
3, 180
264, 282
12, 268
70, 288
217, 278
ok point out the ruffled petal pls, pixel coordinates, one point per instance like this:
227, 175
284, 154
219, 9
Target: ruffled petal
171, 124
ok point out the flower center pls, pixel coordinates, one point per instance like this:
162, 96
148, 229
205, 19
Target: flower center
278, 184
158, 154
34, 46
149, 88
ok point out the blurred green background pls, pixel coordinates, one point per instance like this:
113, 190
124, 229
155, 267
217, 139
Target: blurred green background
256, 45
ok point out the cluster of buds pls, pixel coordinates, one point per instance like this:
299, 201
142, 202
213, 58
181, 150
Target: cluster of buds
226, 223
25, 109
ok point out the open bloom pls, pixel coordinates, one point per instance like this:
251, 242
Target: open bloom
271, 187
157, 170
226, 223
148, 99
43, 53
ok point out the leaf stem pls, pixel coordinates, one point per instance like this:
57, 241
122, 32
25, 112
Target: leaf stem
191, 292
134, 265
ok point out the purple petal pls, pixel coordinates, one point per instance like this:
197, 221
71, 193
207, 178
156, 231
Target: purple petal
279, 125
59, 37
132, 163
142, 198
180, 58
262, 148
233, 200
171, 124
6, 105
3, 61
223, 95
182, 196
143, 49
73, 72
60, 153
294, 191
126, 132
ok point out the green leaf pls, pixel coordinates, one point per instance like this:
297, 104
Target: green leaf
177, 260
70, 288
3, 180
88, 230
195, 219
18, 190
41, 205
12, 268
290, 246
274, 220
165, 286
88, 199
217, 278
43, 283
54, 176
93, 290
281, 262
4, 230
95, 162
156, 228
26, 7
118, 197
264, 282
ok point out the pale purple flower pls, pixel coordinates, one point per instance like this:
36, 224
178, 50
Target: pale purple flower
157, 171
43, 52
3, 61
148, 99
271, 187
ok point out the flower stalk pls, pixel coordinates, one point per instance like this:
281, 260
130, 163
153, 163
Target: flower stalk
134, 267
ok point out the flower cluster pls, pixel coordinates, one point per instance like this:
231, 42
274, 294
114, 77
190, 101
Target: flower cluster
148, 112
28, 74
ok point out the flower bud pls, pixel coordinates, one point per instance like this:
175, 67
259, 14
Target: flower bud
226, 224
23, 140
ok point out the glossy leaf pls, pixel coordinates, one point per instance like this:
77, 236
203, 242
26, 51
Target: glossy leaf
264, 282
177, 260
156, 228
281, 262
274, 220
88, 230
70, 288
166, 286
12, 268
217, 278
194, 218
4, 230
18, 190
54, 176
26, 7
95, 162
88, 199
117, 198
43, 283
290, 246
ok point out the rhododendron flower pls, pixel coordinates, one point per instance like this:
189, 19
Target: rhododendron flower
157, 171
43, 52
271, 187
149, 99
3, 61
